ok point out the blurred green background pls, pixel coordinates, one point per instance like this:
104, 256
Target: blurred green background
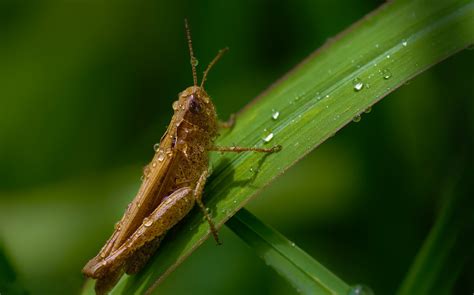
86, 89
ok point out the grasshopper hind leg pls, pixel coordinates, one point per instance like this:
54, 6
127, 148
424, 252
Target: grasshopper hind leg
105, 284
139, 258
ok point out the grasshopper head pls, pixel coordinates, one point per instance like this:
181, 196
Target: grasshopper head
197, 108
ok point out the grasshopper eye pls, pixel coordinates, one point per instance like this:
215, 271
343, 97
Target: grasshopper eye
194, 105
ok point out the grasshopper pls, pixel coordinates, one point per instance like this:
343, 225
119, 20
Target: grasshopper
172, 184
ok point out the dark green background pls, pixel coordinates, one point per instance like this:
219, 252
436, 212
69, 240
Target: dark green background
86, 89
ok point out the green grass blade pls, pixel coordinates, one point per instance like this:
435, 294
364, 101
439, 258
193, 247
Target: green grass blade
315, 100
296, 266
449, 244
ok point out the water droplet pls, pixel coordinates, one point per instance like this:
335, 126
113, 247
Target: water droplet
147, 222
275, 114
356, 118
377, 45
388, 55
268, 138
146, 171
161, 157
293, 244
253, 170
156, 147
404, 43
358, 84
153, 164
235, 202
267, 135
368, 110
175, 105
194, 62
386, 74
360, 290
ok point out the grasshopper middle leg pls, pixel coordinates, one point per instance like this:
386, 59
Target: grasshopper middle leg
198, 195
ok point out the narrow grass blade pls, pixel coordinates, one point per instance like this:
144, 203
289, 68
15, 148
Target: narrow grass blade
303, 272
320, 96
449, 244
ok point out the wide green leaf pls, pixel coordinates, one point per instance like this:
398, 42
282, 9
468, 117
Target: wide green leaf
328, 90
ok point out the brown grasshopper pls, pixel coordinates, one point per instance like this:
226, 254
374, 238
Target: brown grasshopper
172, 183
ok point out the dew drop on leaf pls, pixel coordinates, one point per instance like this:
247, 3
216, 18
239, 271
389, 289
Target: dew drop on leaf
386, 74
267, 135
360, 290
358, 84
275, 114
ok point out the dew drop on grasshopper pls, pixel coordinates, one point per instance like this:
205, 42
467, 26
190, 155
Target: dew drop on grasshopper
172, 184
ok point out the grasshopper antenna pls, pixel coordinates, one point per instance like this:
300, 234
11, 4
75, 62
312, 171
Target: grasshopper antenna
212, 63
191, 52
